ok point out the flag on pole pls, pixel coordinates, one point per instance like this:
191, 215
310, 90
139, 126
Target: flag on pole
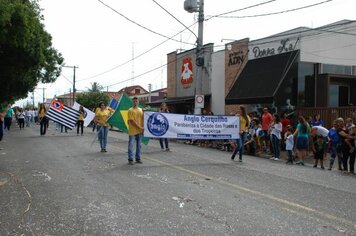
113, 103
88, 114
62, 114
120, 117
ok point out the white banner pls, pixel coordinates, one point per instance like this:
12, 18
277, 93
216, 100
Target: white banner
168, 125
88, 114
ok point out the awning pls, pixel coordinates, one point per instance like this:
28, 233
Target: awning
177, 100
260, 79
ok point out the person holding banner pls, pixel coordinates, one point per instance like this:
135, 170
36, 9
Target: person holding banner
42, 119
102, 113
135, 131
80, 123
163, 108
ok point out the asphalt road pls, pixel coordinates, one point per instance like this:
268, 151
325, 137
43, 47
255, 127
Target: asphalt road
60, 184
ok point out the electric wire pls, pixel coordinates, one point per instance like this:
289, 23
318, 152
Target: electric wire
168, 38
139, 25
278, 12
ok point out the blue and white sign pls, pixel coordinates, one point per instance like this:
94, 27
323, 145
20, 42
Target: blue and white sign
178, 126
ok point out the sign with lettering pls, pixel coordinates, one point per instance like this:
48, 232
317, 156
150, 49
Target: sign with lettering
274, 48
169, 125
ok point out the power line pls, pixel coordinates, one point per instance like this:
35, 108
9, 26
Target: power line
276, 13
241, 9
139, 25
168, 38
175, 18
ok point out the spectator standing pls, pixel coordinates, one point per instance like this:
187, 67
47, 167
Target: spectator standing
289, 145
317, 121
164, 109
319, 150
276, 131
266, 122
302, 133
285, 123
135, 122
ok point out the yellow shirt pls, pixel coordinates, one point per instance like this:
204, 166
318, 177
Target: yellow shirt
81, 116
136, 115
243, 124
102, 116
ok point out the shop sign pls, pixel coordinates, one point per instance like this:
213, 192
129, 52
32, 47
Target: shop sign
285, 45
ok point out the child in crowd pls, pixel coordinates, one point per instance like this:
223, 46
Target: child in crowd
289, 140
319, 150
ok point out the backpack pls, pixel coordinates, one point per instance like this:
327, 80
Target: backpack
334, 136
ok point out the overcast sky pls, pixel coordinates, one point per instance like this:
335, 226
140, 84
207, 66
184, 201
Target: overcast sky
122, 43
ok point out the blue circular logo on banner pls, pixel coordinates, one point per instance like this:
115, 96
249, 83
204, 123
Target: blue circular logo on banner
157, 124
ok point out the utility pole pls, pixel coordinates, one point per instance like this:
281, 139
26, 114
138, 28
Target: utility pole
198, 6
74, 90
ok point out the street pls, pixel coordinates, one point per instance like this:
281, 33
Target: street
61, 184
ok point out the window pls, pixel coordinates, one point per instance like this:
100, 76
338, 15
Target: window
336, 69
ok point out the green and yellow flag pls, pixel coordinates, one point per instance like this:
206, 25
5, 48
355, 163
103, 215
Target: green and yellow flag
120, 117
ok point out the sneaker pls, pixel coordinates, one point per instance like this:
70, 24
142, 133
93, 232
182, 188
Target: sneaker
139, 161
322, 168
232, 157
271, 158
329, 168
276, 159
131, 162
105, 150
167, 150
289, 162
102, 150
240, 160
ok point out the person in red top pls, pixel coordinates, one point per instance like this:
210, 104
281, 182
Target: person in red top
285, 123
266, 122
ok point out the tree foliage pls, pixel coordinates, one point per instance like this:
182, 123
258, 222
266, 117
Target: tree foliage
93, 97
26, 53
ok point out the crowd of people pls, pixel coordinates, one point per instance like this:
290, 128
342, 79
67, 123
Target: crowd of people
268, 134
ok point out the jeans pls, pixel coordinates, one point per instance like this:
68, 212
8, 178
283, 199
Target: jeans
275, 146
103, 136
28, 121
335, 151
240, 145
134, 138
161, 140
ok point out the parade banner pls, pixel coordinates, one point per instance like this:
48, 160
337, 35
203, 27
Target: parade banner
178, 126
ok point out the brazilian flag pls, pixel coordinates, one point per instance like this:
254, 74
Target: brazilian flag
120, 117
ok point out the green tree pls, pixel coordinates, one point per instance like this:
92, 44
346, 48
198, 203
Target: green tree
92, 97
26, 53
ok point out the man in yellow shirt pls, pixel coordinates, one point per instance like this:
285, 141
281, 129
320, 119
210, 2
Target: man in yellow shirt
135, 123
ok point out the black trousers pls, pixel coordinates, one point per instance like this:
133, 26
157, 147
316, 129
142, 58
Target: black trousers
43, 125
80, 124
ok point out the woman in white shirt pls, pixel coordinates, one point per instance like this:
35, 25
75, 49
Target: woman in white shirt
275, 131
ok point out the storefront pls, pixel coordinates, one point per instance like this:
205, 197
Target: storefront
302, 67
